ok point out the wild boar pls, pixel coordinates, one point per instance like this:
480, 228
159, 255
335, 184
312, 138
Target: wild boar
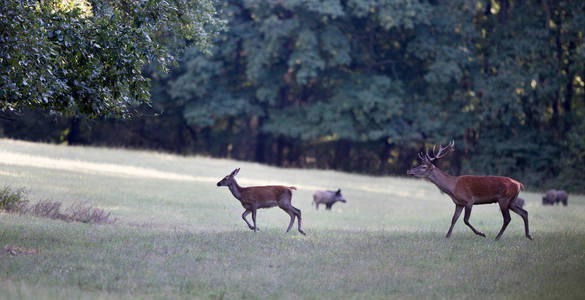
562, 197
328, 198
553, 197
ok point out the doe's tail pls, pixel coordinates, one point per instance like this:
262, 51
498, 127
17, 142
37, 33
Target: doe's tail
291, 187
520, 185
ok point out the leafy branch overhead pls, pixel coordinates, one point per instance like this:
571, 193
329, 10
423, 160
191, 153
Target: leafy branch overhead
87, 57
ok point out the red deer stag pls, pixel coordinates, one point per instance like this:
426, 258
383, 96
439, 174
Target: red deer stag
466, 191
255, 197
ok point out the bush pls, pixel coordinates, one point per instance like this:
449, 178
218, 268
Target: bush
85, 213
13, 200
16, 201
45, 209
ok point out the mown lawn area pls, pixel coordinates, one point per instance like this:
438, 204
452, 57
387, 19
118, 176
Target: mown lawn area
178, 235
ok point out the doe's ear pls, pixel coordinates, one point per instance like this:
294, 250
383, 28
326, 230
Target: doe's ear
235, 172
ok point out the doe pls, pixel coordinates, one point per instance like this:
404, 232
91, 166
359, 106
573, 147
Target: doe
467, 190
255, 197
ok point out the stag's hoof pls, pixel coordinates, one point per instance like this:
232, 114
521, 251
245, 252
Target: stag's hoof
529, 237
301, 231
481, 234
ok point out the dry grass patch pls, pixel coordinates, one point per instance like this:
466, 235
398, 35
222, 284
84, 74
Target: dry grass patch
16, 201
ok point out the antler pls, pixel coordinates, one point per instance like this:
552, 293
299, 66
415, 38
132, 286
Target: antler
437, 154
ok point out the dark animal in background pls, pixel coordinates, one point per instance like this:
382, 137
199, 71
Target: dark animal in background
328, 198
466, 191
255, 197
519, 202
553, 197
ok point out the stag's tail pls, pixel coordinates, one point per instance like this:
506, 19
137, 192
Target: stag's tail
291, 188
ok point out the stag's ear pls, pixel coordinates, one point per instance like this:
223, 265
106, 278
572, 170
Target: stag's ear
235, 172
338, 192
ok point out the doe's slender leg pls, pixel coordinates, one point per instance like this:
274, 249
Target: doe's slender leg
246, 212
254, 219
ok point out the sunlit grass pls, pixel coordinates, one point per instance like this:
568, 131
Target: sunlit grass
179, 235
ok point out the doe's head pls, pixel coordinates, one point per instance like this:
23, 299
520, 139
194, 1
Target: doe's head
228, 179
425, 169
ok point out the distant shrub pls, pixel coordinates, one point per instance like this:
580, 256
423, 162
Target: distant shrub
78, 212
85, 213
46, 209
16, 201
13, 200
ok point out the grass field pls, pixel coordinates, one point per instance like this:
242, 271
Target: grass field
180, 236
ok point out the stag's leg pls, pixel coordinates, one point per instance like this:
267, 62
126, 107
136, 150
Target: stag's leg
254, 219
507, 218
524, 214
458, 210
246, 220
328, 206
466, 220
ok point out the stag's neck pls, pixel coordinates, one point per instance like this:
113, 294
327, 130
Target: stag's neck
236, 190
445, 182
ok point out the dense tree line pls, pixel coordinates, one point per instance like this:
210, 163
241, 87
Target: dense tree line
362, 86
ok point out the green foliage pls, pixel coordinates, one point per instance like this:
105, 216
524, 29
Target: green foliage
13, 200
572, 175
364, 108
291, 63
321, 83
81, 59
483, 73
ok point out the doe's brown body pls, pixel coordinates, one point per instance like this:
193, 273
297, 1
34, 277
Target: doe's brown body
255, 197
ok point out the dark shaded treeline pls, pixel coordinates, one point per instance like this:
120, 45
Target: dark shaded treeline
362, 87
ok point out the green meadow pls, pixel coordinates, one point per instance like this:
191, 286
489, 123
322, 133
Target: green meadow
178, 235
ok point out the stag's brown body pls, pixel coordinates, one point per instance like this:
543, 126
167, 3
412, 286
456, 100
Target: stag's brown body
469, 190
485, 189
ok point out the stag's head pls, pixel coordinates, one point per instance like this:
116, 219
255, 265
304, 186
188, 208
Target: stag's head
425, 169
228, 179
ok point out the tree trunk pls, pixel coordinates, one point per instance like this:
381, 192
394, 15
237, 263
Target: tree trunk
259, 152
280, 144
74, 134
558, 101
567, 116
384, 156
503, 13
341, 160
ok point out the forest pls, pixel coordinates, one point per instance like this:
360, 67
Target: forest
353, 85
